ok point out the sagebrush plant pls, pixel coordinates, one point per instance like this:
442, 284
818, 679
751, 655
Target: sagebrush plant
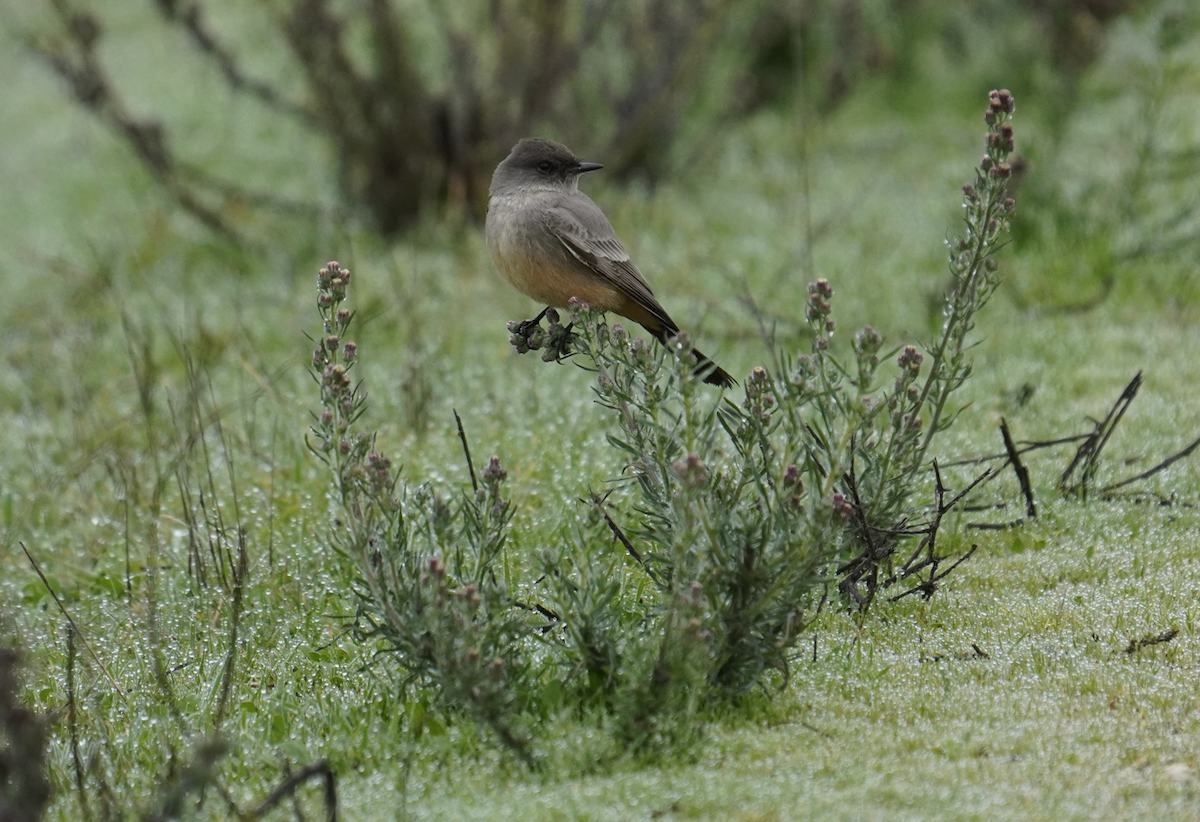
733, 519
816, 474
428, 590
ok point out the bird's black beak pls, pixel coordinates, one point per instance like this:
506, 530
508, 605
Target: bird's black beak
580, 168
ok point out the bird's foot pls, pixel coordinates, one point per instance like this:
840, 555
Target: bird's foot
528, 335
560, 342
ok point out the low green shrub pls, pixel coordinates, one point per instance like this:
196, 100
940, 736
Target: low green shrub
734, 519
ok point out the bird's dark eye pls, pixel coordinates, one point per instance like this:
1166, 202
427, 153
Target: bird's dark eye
545, 166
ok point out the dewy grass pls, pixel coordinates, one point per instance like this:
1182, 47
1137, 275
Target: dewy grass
735, 517
890, 716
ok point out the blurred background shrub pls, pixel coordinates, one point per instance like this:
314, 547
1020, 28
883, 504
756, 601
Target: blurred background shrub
413, 102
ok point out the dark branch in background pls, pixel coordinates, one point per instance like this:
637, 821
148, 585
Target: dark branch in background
233, 192
75, 61
405, 142
1084, 462
189, 15
401, 142
379, 123
647, 113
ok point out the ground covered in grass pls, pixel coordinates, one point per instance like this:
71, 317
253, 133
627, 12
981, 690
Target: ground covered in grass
155, 403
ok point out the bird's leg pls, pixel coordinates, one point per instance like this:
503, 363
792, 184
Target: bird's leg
525, 326
559, 342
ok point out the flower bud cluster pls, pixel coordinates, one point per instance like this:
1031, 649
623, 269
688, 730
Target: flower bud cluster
910, 362
331, 283
819, 310
357, 465
331, 362
905, 395
989, 207
792, 486
492, 477
692, 600
999, 141
692, 471
560, 339
805, 370
867, 342
438, 508
469, 595
642, 354
760, 400
437, 569
999, 102
380, 478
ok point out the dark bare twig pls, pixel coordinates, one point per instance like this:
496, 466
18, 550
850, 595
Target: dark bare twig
1025, 447
1088, 454
1161, 466
193, 778
1014, 459
598, 501
932, 560
1136, 645
288, 788
462, 435
1085, 459
968, 488
240, 572
74, 627
540, 609
996, 526
867, 563
877, 552
929, 586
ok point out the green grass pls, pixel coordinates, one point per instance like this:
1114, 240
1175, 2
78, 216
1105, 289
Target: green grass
893, 719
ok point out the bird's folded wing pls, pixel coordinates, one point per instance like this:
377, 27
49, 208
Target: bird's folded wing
585, 232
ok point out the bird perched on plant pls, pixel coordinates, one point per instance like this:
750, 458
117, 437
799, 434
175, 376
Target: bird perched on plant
551, 242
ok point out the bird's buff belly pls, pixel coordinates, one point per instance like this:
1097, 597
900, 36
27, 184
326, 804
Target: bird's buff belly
552, 281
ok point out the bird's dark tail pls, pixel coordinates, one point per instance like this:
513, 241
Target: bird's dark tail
712, 373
